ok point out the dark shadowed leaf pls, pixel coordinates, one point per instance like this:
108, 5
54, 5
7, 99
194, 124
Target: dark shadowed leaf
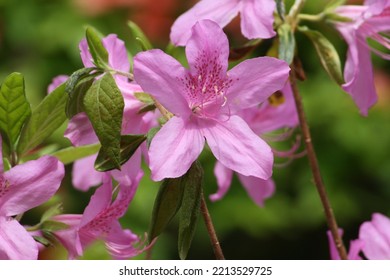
129, 144
104, 104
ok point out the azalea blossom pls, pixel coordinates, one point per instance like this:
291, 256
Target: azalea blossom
205, 100
265, 118
375, 235
24, 187
80, 131
256, 18
100, 221
368, 21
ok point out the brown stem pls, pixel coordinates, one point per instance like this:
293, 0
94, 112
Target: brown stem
315, 169
211, 231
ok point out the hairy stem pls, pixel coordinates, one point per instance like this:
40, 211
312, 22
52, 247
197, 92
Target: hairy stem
315, 169
211, 231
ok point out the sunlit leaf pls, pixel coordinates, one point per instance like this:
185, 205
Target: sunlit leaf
286, 43
96, 48
71, 154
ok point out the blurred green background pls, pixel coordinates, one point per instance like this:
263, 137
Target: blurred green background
39, 38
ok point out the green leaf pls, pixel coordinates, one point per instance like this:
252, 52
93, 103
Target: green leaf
286, 43
140, 36
143, 97
280, 8
333, 4
46, 118
326, 51
104, 106
14, 109
166, 205
337, 17
190, 207
45, 242
75, 78
53, 226
52, 211
96, 48
150, 135
129, 144
71, 154
75, 102
147, 108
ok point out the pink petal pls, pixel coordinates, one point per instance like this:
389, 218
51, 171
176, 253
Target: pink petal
1, 155
254, 80
85, 55
99, 201
159, 74
220, 11
120, 242
30, 184
258, 189
84, 175
15, 242
57, 81
359, 76
224, 179
117, 53
334, 254
355, 246
69, 238
376, 237
80, 131
233, 137
208, 47
257, 18
270, 117
174, 148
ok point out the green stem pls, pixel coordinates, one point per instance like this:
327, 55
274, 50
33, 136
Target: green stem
314, 18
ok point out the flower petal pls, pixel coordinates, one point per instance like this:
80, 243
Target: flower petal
258, 189
208, 47
254, 80
31, 184
174, 148
117, 53
159, 74
15, 242
220, 11
376, 237
334, 254
224, 179
120, 242
57, 81
257, 18
80, 131
98, 202
84, 175
237, 147
359, 76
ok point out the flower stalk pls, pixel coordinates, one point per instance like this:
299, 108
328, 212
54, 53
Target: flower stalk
315, 169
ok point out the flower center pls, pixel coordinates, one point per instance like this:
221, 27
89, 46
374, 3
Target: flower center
4, 186
207, 84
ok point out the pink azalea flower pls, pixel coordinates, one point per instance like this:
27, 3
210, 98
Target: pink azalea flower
354, 247
263, 119
375, 235
205, 99
100, 221
256, 18
23, 187
367, 22
80, 131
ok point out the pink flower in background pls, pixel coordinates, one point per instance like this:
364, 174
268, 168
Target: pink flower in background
80, 131
100, 221
263, 119
256, 18
375, 236
354, 247
24, 187
205, 100
367, 22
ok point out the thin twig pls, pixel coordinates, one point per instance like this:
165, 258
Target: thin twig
211, 231
315, 169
